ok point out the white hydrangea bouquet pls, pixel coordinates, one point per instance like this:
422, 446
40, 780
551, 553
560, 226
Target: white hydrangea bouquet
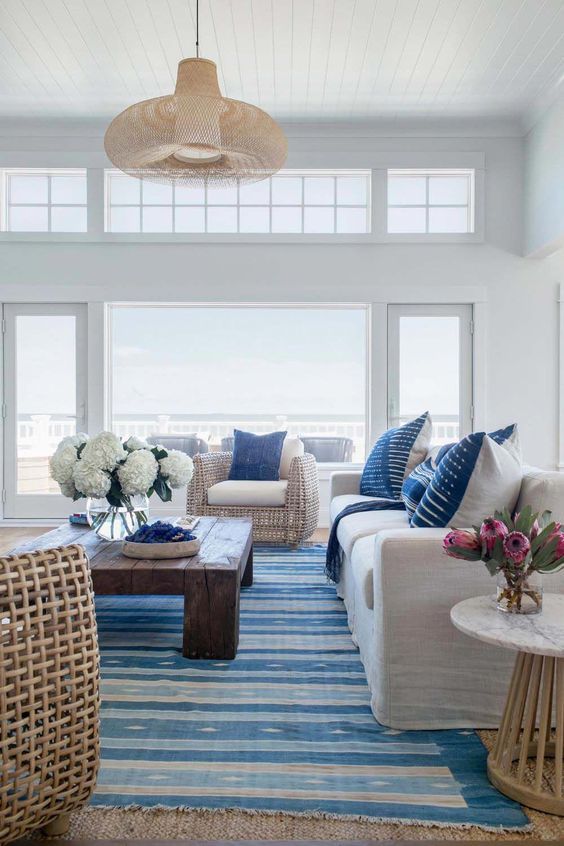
117, 477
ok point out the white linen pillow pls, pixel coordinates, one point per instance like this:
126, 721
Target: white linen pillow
479, 475
292, 448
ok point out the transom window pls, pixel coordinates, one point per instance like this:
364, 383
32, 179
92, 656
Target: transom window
45, 200
430, 201
305, 202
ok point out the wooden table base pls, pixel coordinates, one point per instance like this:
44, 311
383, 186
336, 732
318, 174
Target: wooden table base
534, 703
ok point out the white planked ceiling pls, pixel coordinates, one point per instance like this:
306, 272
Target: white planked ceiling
298, 59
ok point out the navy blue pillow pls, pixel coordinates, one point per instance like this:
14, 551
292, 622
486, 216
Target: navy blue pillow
419, 479
392, 454
256, 457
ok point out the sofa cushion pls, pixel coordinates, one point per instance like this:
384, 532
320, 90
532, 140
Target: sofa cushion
394, 456
242, 493
478, 476
362, 567
356, 526
543, 490
292, 448
338, 503
256, 457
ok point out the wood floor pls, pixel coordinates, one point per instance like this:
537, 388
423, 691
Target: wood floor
11, 537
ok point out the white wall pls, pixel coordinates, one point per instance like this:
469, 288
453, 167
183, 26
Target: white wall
518, 348
544, 183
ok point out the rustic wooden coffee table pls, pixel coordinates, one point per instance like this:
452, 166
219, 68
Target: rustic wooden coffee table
210, 581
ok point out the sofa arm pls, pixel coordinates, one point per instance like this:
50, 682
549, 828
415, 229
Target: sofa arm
209, 469
344, 482
427, 674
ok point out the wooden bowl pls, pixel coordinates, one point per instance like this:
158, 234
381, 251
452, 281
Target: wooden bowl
176, 549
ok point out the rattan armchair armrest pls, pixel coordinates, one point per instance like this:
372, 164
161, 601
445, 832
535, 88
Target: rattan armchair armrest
209, 469
302, 495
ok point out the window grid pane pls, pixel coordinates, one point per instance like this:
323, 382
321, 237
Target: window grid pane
31, 196
430, 202
338, 203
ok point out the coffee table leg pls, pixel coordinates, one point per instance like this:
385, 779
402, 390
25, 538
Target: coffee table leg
211, 613
247, 579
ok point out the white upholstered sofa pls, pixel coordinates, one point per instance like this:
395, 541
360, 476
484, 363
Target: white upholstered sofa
398, 588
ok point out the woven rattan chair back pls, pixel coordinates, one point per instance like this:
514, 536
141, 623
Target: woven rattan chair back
49, 688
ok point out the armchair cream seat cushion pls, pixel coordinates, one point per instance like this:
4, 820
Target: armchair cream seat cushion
248, 493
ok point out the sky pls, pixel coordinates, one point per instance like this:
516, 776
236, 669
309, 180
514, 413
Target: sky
239, 360
278, 361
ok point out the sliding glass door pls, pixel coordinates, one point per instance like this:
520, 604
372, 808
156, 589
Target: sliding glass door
430, 367
45, 400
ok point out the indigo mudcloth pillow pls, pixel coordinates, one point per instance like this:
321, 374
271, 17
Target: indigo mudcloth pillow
256, 457
394, 456
418, 481
479, 475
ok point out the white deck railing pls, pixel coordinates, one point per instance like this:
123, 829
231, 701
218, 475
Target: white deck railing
39, 434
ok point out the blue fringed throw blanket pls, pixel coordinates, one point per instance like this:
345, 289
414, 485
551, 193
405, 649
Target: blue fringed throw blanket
334, 558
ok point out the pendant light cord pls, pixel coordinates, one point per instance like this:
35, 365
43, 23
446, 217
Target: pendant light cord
197, 29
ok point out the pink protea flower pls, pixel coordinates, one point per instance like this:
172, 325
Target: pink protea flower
461, 539
535, 528
559, 552
491, 530
516, 545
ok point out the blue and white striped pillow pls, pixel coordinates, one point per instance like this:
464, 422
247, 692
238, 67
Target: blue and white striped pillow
414, 487
394, 456
479, 475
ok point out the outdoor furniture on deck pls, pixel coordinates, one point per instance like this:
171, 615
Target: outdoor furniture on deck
329, 449
190, 444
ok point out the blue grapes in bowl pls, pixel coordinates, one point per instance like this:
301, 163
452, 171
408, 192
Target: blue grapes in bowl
160, 532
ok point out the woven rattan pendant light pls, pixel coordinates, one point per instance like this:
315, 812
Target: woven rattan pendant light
195, 136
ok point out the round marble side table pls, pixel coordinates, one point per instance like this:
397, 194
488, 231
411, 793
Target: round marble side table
535, 700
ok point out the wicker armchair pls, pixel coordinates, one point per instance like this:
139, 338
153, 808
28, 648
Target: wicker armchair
49, 700
291, 523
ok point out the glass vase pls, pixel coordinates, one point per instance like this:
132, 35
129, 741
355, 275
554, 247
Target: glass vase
519, 593
114, 523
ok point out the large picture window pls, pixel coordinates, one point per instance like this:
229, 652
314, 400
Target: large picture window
204, 370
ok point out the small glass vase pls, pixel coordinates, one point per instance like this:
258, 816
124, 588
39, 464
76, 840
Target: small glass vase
519, 593
114, 523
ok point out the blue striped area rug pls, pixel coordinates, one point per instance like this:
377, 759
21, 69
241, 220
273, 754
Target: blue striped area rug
286, 727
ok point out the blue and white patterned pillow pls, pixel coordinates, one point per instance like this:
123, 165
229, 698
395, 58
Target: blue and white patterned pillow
256, 457
419, 479
394, 456
479, 475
